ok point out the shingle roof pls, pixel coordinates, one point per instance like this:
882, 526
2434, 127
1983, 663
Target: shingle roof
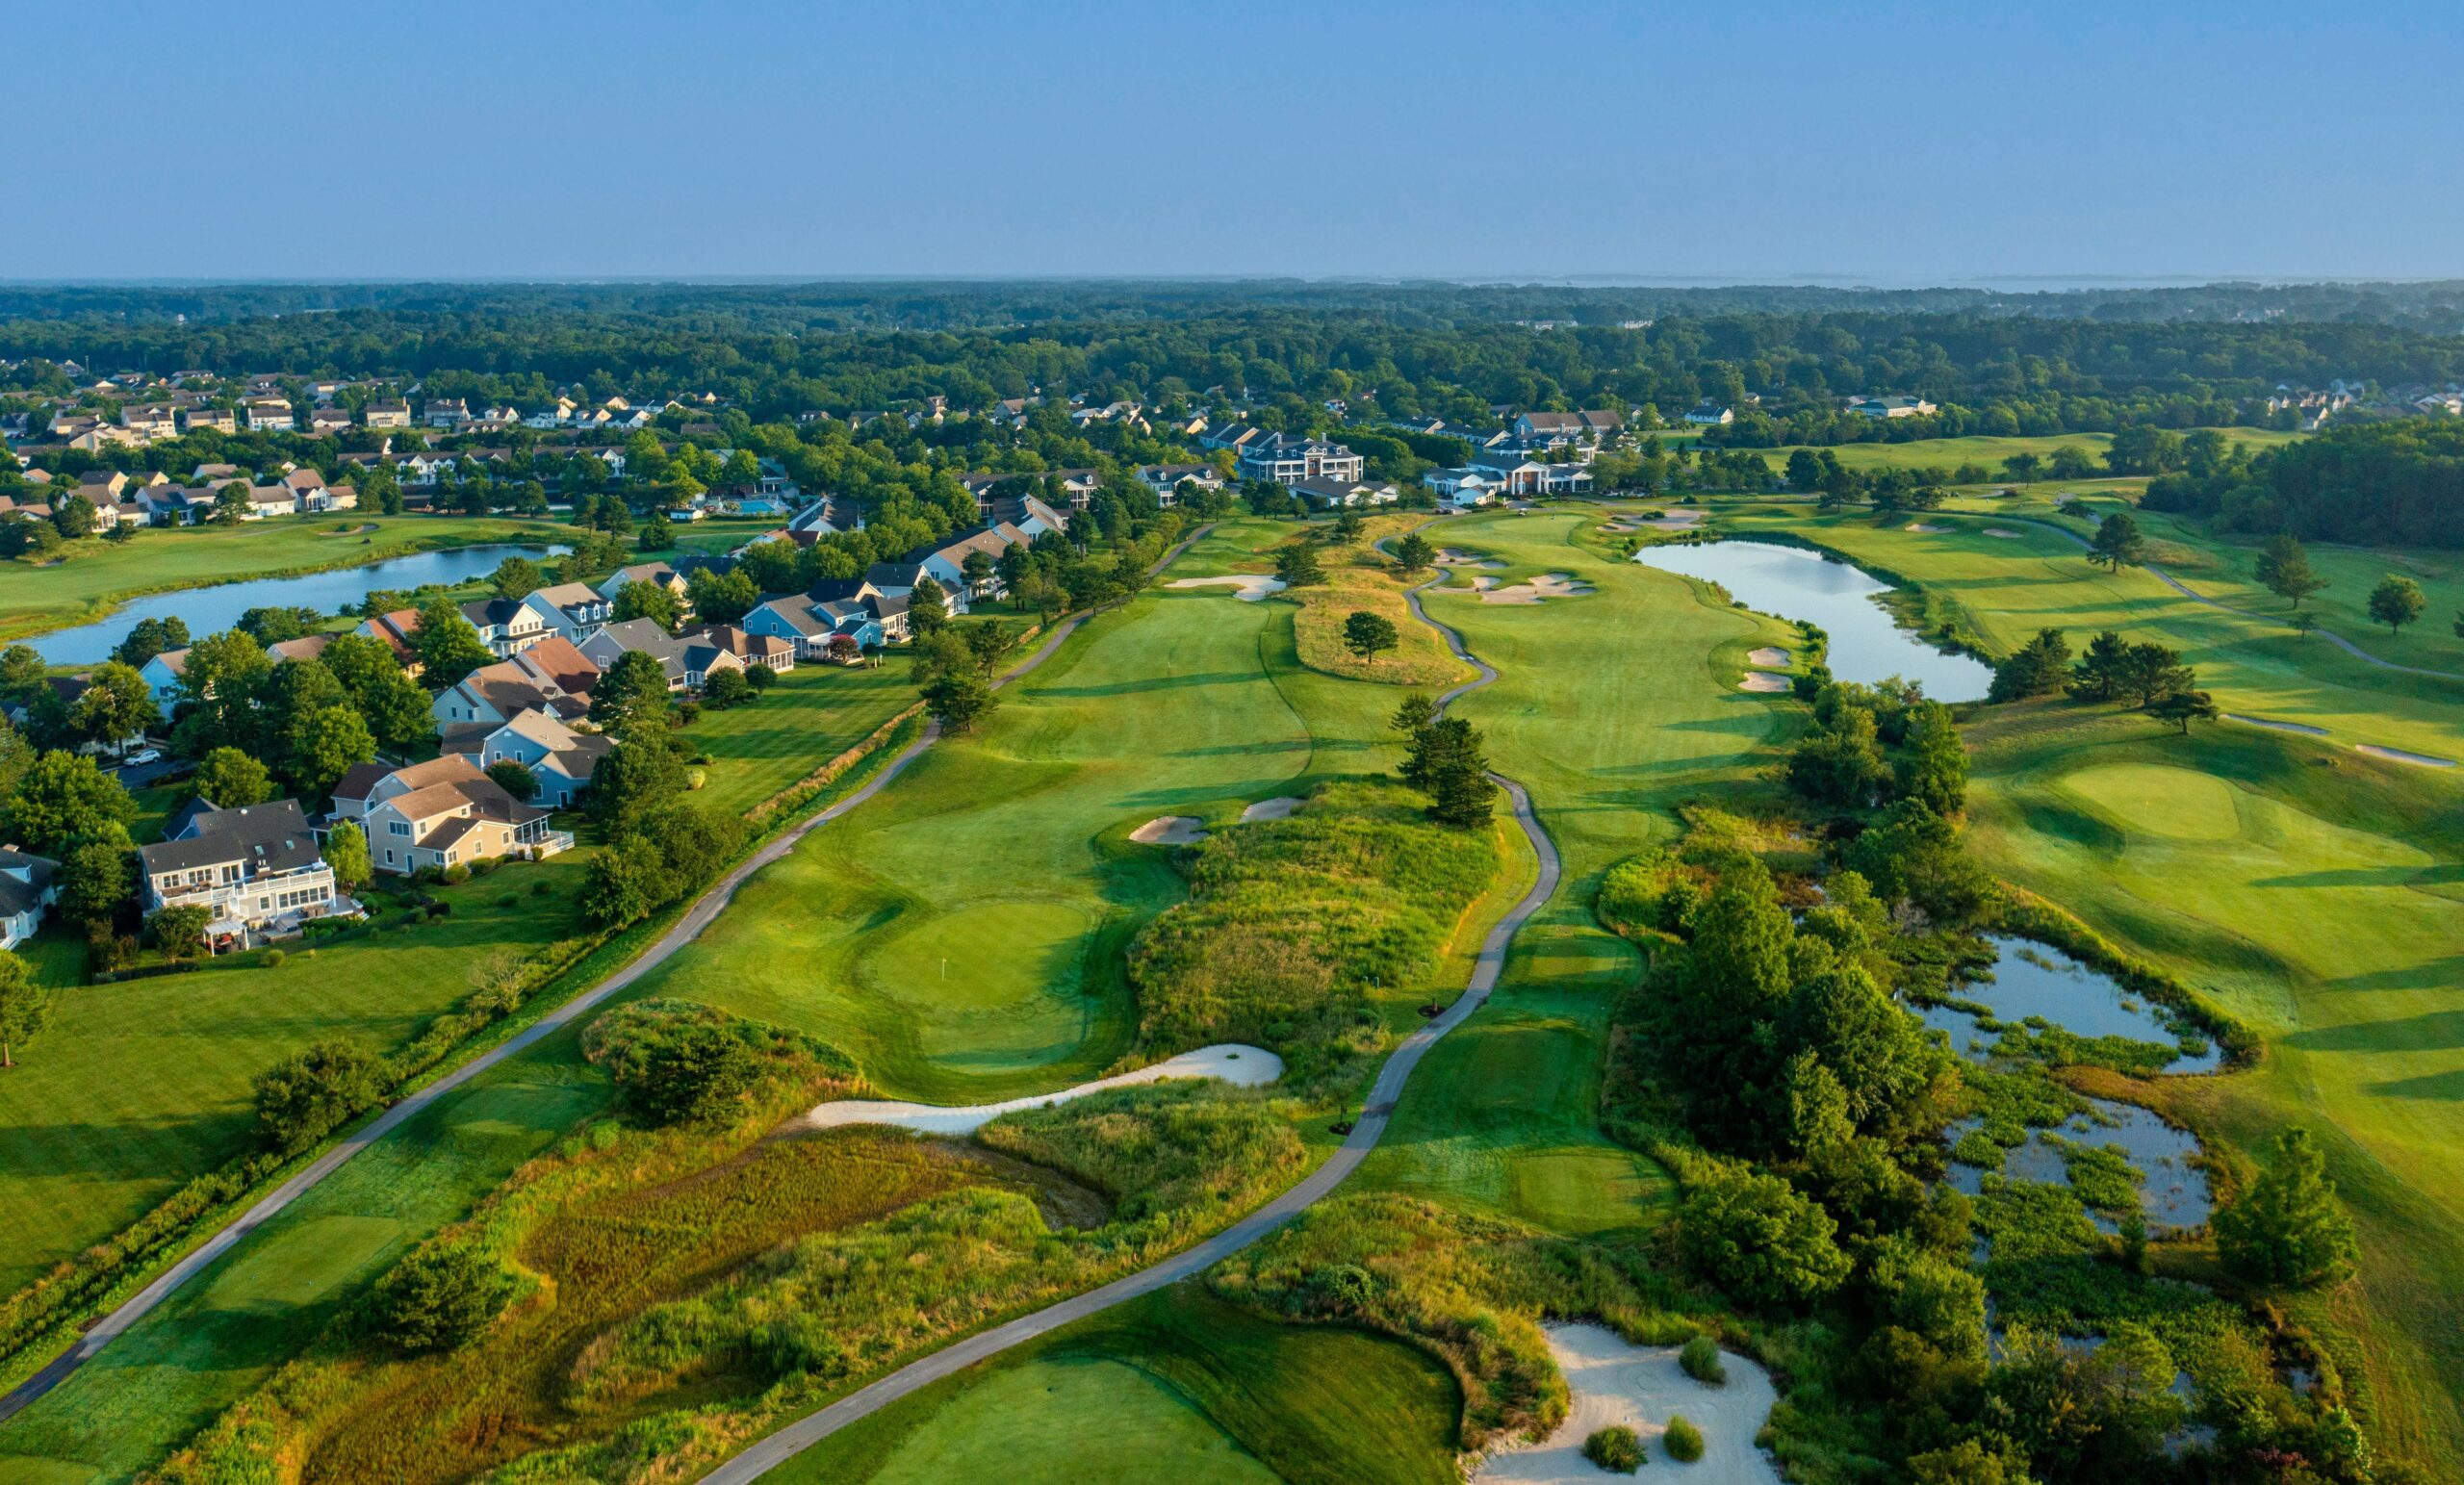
272, 837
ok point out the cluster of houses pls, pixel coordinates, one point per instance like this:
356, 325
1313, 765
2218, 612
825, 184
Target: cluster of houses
153, 500
2312, 407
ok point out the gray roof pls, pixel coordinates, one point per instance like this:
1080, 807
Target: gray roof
17, 896
266, 837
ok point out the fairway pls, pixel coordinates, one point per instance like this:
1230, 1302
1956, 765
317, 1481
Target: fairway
805, 718
1074, 1421
994, 985
1948, 453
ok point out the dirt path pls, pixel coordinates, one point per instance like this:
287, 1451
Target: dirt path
1380, 1106
708, 907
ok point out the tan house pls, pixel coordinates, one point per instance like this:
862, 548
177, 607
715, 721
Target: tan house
389, 415
446, 813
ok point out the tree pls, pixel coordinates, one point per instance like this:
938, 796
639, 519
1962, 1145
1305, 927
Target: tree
1842, 763
1414, 554
309, 1095
643, 771
2022, 468
2183, 707
72, 516
1349, 526
517, 577
958, 699
633, 690
25, 1007
95, 880
651, 601
979, 572
347, 855
1365, 634
179, 932
147, 638
231, 504
2398, 600
219, 693
2284, 570
927, 608
1446, 756
1754, 1237
625, 880
727, 687
116, 704
323, 746
1297, 567
2099, 674
721, 598
2041, 667
2288, 1231
2150, 672
62, 802
2117, 543
229, 779
390, 701
515, 778
438, 1297
1935, 767
23, 674
448, 646
658, 533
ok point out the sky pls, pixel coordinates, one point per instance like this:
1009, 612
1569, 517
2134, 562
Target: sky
1897, 144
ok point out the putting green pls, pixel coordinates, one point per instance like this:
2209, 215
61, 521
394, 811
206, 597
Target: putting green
1074, 1421
994, 985
2171, 803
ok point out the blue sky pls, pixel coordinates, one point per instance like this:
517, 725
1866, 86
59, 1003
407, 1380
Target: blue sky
1891, 144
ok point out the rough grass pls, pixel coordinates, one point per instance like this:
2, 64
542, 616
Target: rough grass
1358, 579
96, 575
1157, 1389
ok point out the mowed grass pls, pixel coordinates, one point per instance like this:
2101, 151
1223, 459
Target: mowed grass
1177, 1386
963, 934
96, 575
808, 717
2008, 587
137, 1086
1949, 453
1612, 707
2316, 894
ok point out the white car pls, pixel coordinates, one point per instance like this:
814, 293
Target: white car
140, 757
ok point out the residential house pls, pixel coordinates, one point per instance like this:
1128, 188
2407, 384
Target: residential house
1328, 494
1464, 486
326, 421
101, 487
811, 620
573, 610
509, 625
752, 650
447, 412
551, 676
270, 500
391, 413
1287, 460
255, 868
269, 415
1031, 516
220, 419
560, 759
1167, 479
28, 885
661, 573
396, 629
459, 816
946, 564
1565, 427
1891, 407
149, 420
423, 467
689, 660
1711, 415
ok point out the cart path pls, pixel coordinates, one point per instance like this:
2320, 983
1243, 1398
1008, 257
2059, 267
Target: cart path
795, 1438
706, 908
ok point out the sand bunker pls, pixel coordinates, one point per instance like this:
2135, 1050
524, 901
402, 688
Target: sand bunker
2005, 532
2277, 726
1170, 831
1676, 519
1449, 557
1545, 586
1279, 808
1613, 1383
1769, 657
1236, 1063
2399, 755
1929, 530
1764, 682
1253, 586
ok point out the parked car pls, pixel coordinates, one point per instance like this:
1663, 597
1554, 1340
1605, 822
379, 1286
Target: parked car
142, 756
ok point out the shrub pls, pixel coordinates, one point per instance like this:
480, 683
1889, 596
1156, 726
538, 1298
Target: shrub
1615, 1448
1700, 1358
274, 958
454, 876
309, 1095
674, 1061
436, 1299
1683, 1440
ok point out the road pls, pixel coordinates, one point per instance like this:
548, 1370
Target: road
805, 1432
708, 907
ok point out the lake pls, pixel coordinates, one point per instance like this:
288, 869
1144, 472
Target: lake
212, 609
1866, 643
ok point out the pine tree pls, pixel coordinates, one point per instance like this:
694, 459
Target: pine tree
2284, 570
2288, 1231
2097, 675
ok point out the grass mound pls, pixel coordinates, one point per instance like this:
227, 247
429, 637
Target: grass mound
1291, 922
1357, 581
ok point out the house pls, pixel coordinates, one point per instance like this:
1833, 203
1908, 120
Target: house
946, 564
28, 885
269, 415
1328, 494
752, 650
325, 422
689, 660
1566, 427
660, 573
574, 611
1031, 516
270, 500
1167, 479
1465, 486
392, 413
458, 815
811, 620
101, 487
423, 468
149, 420
396, 629
509, 625
220, 419
161, 676
255, 868
1287, 460
1711, 415
551, 674
561, 759
447, 412
1891, 407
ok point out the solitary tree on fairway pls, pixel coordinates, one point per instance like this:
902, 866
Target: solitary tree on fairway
2117, 543
2284, 570
2288, 1231
1414, 554
1365, 634
24, 1005
958, 699
2396, 602
2183, 707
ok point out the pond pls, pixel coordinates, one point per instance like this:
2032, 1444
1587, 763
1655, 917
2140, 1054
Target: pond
212, 609
2035, 981
1866, 643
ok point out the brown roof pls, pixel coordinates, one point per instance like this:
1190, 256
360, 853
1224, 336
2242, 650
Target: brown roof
555, 659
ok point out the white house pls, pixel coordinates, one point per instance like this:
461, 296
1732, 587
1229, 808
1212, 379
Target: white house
256, 869
28, 885
574, 611
509, 625
1711, 415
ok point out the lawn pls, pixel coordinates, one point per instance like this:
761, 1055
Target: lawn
2315, 894
1612, 708
1177, 1386
94, 575
137, 1086
2007, 587
808, 717
1948, 453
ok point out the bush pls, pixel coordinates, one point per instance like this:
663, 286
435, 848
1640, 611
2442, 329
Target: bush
1616, 1449
1700, 1358
274, 958
1683, 1440
436, 1299
454, 876
306, 1096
